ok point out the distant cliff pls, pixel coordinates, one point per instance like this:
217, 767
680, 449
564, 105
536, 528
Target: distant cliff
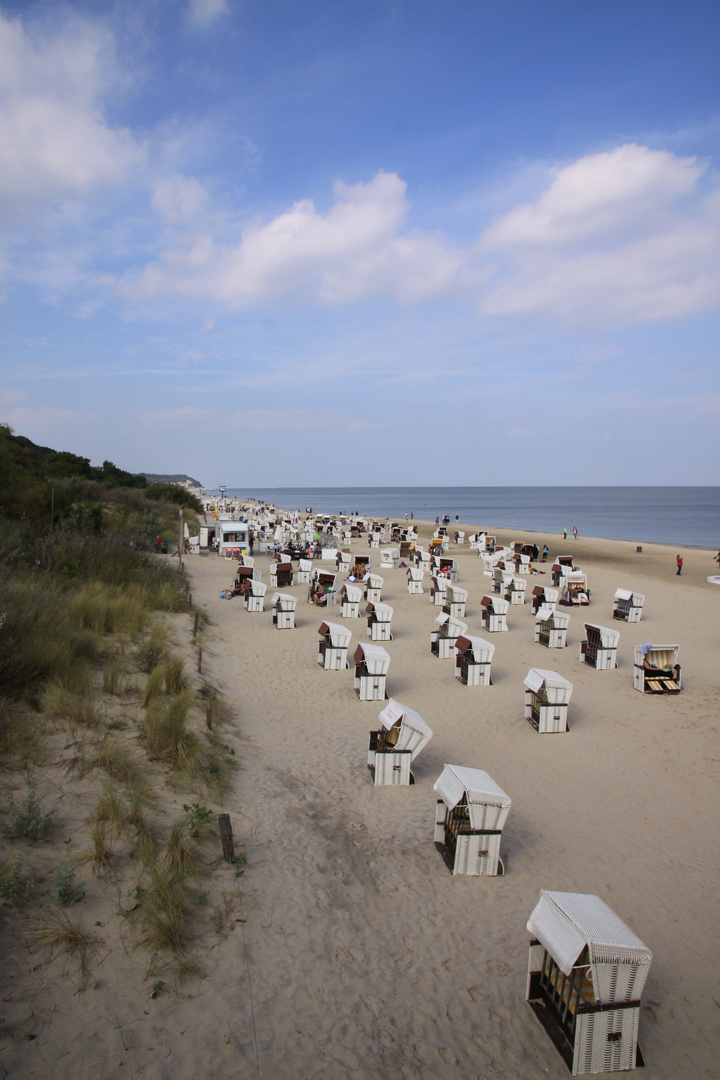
171, 478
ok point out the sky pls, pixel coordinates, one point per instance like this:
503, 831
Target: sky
419, 242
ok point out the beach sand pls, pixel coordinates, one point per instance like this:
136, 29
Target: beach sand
357, 954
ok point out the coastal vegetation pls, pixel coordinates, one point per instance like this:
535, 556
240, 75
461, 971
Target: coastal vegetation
103, 724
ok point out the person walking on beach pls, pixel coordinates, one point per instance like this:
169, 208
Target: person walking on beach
565, 533
251, 540
575, 531
545, 553
717, 559
678, 560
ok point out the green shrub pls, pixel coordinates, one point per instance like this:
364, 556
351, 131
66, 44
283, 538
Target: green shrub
67, 892
31, 823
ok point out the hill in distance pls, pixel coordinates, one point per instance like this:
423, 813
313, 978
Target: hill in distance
171, 478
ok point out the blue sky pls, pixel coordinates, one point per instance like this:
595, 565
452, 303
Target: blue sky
364, 243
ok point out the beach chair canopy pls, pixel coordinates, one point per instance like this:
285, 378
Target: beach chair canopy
382, 612
478, 789
608, 638
539, 677
339, 635
390, 552
482, 651
559, 619
449, 626
376, 658
414, 732
659, 656
259, 588
623, 594
498, 604
456, 595
375, 581
285, 601
305, 565
566, 923
415, 573
353, 593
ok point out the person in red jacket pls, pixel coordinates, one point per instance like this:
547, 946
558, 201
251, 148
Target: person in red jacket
679, 561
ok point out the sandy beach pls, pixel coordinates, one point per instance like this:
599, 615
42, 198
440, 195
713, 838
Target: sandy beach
347, 949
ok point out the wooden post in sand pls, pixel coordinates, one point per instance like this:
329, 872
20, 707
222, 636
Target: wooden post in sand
200, 660
197, 621
226, 837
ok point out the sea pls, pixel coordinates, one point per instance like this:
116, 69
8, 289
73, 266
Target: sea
682, 516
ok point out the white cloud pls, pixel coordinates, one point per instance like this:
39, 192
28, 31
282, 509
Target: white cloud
54, 140
353, 251
628, 235
205, 12
597, 198
180, 199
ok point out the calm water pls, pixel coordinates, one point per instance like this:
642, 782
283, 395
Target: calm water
686, 516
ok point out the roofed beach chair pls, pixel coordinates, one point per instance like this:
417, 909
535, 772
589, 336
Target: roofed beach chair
599, 650
438, 590
628, 605
547, 697
281, 575
493, 614
442, 640
284, 605
470, 816
378, 624
473, 656
333, 646
455, 601
544, 597
586, 974
415, 577
389, 558
656, 669
396, 744
373, 588
304, 571
350, 597
371, 664
254, 598
551, 627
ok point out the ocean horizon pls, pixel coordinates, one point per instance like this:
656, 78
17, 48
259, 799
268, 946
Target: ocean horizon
685, 516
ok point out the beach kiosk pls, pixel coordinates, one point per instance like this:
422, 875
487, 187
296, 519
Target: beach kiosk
333, 646
628, 605
473, 656
551, 627
373, 588
586, 974
656, 669
599, 650
415, 577
304, 571
546, 700
547, 697
371, 664
438, 590
442, 640
350, 597
455, 601
395, 745
281, 575
544, 597
284, 605
470, 815
389, 558
493, 613
231, 536
379, 619
254, 598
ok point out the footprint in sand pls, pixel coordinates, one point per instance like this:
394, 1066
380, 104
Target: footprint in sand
497, 967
